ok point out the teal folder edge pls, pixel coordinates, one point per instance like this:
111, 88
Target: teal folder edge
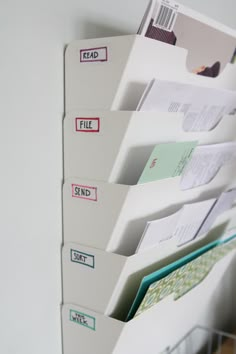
163, 272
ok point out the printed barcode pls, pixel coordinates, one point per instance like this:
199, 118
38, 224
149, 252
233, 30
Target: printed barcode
165, 18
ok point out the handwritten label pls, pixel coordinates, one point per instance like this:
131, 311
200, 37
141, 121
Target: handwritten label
93, 54
87, 125
84, 192
82, 258
83, 319
153, 164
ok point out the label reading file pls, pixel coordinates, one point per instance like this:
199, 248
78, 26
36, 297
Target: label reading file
87, 125
84, 192
82, 258
93, 54
82, 319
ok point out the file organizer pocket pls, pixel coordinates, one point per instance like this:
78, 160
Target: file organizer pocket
117, 214
119, 74
92, 332
114, 146
107, 282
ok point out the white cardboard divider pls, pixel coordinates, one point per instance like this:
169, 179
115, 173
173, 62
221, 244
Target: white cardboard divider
117, 79
107, 282
112, 217
114, 146
208, 304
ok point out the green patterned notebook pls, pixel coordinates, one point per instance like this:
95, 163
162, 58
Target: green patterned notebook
179, 277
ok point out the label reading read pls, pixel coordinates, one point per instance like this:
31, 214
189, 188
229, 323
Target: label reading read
93, 54
82, 258
87, 125
84, 192
82, 319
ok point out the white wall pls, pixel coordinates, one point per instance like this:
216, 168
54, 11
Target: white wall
32, 38
220, 10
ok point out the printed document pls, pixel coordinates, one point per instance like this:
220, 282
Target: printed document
203, 107
206, 161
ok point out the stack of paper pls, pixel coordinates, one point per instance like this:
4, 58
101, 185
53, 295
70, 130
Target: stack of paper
202, 107
197, 165
191, 221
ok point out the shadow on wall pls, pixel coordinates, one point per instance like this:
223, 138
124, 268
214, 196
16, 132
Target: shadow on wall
98, 29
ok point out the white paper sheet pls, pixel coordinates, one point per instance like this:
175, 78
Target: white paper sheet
224, 202
183, 225
157, 231
205, 163
203, 107
191, 219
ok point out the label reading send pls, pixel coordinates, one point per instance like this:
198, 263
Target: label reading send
84, 192
82, 319
82, 258
93, 54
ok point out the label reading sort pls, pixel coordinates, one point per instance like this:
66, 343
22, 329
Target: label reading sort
82, 258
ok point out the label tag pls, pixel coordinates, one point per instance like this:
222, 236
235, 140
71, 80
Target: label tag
82, 258
93, 54
84, 192
83, 319
166, 15
87, 125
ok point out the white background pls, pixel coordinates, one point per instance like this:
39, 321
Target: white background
32, 38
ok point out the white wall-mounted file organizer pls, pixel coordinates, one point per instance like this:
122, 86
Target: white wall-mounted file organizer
112, 217
115, 278
124, 66
105, 144
208, 304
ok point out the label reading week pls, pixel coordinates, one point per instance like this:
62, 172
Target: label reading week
83, 319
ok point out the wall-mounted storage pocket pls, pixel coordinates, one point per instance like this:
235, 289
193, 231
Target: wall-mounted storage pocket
116, 79
117, 214
115, 146
93, 332
107, 282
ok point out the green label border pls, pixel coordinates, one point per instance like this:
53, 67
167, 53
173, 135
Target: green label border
81, 324
86, 254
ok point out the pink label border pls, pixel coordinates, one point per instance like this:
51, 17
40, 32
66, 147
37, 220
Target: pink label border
87, 131
88, 187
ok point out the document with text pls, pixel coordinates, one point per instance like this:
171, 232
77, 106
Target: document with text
202, 107
206, 161
182, 225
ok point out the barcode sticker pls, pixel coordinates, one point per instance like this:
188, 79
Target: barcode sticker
166, 15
